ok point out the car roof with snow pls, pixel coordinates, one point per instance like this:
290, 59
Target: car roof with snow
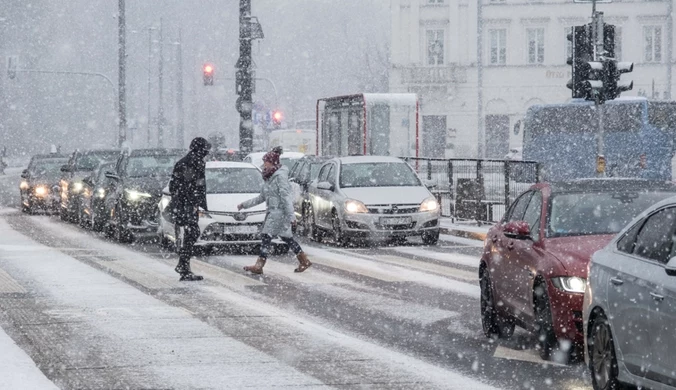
369, 159
228, 164
609, 185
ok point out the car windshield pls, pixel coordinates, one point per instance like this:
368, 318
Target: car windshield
579, 214
142, 166
233, 180
50, 167
314, 170
90, 160
378, 175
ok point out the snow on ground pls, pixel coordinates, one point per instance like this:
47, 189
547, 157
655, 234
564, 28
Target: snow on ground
106, 304
17, 370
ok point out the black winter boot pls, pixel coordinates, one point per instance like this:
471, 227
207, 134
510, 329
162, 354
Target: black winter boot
183, 268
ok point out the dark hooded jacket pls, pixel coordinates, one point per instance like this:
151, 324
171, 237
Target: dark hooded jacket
188, 186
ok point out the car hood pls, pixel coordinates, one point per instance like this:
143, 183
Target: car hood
150, 184
229, 202
574, 253
388, 195
50, 180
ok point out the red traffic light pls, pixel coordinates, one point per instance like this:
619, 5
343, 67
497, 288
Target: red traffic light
277, 116
208, 75
208, 69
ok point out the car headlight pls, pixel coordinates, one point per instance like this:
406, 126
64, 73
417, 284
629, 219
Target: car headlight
354, 206
572, 284
41, 191
101, 193
429, 204
76, 187
24, 185
134, 195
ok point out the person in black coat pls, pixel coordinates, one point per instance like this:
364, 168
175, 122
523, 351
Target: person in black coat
188, 190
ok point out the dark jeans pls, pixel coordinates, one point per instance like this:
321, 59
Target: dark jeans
190, 236
266, 244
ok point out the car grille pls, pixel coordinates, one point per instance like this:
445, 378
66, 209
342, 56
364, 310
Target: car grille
394, 209
218, 232
408, 226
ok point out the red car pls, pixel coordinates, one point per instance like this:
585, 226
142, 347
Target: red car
533, 269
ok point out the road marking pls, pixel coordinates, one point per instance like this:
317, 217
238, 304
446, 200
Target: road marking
524, 355
9, 285
419, 265
453, 258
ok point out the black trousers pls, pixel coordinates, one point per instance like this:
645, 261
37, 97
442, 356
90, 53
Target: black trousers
190, 235
266, 244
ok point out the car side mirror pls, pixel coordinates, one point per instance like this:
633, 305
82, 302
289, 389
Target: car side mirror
325, 185
670, 268
25, 174
518, 230
65, 168
112, 176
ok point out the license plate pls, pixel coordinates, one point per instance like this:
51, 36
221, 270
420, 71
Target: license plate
245, 229
391, 221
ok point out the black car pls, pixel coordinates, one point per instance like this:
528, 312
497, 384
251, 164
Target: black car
304, 171
39, 187
80, 165
93, 213
136, 189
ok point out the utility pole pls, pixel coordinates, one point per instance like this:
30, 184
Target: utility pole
160, 109
122, 58
244, 79
599, 55
179, 95
481, 147
150, 55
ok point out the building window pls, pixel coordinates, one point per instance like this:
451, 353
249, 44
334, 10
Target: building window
435, 47
652, 38
498, 46
618, 43
536, 45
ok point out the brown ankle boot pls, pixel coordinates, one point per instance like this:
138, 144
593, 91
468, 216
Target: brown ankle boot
304, 262
257, 268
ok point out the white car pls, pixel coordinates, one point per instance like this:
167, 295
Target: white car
228, 184
630, 304
287, 158
370, 198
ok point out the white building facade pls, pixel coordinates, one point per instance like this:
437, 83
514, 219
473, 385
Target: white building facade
521, 52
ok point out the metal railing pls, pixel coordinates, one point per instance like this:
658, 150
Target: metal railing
471, 189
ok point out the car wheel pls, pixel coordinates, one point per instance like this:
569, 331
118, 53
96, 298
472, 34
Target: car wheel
313, 232
97, 223
602, 359
543, 321
83, 219
493, 324
304, 222
430, 238
338, 237
121, 234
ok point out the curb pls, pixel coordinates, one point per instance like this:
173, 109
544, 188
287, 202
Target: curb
463, 233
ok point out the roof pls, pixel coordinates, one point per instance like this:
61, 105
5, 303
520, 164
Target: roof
228, 164
369, 159
157, 152
291, 155
610, 184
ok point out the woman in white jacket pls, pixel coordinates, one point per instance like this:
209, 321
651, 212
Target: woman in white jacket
277, 194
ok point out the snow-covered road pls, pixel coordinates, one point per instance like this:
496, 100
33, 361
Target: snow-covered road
91, 313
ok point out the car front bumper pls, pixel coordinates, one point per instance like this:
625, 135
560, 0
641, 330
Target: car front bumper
225, 228
567, 314
383, 226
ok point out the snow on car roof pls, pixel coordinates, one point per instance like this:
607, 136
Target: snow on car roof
229, 164
369, 159
396, 99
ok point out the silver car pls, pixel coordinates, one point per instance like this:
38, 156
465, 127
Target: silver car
630, 304
371, 198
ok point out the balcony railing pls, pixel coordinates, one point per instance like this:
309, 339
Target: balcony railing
448, 74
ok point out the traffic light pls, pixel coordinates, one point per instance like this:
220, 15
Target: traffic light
583, 52
208, 74
277, 117
613, 87
594, 77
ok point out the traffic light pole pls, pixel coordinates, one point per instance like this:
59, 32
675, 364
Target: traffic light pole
122, 67
244, 78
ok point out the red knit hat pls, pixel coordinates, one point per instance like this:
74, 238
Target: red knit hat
272, 157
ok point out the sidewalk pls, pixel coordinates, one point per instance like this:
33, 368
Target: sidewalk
464, 229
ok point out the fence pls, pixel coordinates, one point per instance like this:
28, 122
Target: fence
473, 189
